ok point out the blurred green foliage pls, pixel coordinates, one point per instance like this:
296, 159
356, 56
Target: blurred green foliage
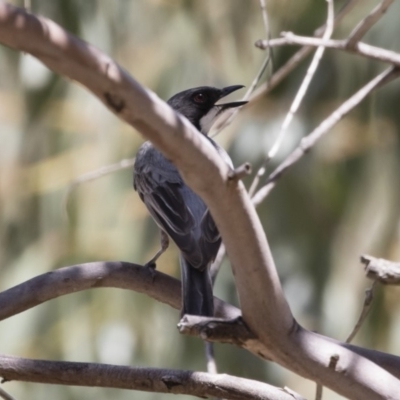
338, 202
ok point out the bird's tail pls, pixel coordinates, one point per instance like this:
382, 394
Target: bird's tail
197, 295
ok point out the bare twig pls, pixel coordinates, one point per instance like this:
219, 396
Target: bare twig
379, 269
230, 115
369, 296
4, 395
360, 48
98, 173
365, 25
240, 172
216, 265
297, 100
299, 56
362, 317
159, 380
319, 392
28, 5
309, 141
210, 358
264, 13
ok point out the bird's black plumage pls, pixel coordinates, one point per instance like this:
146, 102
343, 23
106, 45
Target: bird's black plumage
177, 210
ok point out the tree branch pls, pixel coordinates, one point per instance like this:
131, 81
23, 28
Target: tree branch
323, 128
162, 288
365, 25
299, 56
116, 274
5, 396
384, 271
297, 100
200, 384
360, 48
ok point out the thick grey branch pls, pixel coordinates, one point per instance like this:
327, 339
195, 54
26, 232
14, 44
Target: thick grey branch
384, 271
200, 384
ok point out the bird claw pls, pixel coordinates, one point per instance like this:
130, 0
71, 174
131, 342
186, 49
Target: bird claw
151, 267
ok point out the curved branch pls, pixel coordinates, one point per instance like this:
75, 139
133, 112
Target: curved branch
264, 307
162, 288
116, 274
144, 379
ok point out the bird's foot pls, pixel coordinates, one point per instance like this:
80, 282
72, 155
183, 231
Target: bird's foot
151, 267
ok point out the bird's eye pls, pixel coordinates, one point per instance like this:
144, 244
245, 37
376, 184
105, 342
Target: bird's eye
200, 98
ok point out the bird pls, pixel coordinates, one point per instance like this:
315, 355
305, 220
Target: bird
178, 211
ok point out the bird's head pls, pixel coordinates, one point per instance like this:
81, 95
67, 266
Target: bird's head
199, 106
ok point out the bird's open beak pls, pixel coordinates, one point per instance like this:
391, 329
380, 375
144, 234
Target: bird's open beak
229, 90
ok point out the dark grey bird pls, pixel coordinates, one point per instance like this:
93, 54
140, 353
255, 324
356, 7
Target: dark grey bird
179, 212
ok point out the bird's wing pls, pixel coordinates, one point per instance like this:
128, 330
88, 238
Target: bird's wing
176, 208
163, 192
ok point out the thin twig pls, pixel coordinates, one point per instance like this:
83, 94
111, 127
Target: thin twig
230, 115
210, 358
216, 265
240, 172
365, 25
96, 174
362, 49
253, 94
310, 140
369, 296
306, 82
298, 98
4, 395
319, 392
264, 13
28, 5
299, 56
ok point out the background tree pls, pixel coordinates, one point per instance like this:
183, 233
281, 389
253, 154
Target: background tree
335, 204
